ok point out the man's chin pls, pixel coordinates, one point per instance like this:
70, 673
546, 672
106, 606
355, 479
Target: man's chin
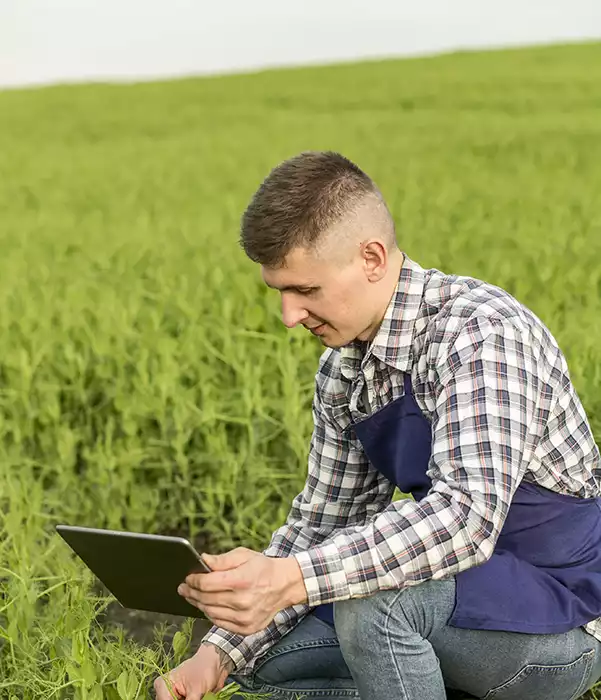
329, 337
333, 341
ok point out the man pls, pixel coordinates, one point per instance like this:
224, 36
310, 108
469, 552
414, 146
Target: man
488, 580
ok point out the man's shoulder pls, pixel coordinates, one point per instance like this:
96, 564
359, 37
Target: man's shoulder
469, 312
466, 303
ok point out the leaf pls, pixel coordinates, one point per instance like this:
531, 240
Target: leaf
123, 685
73, 671
96, 693
132, 684
71, 622
88, 673
180, 644
149, 657
76, 648
110, 693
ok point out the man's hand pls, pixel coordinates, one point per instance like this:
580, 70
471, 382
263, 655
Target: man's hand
245, 589
204, 672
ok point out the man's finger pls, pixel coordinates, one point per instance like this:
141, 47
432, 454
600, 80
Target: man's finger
162, 691
217, 581
230, 560
159, 689
188, 593
224, 600
224, 615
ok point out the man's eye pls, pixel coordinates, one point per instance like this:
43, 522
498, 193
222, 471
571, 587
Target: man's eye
306, 292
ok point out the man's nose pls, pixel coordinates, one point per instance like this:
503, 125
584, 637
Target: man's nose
292, 313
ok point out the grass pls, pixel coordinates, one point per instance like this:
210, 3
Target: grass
146, 381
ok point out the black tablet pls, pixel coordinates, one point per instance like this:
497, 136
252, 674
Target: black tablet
142, 571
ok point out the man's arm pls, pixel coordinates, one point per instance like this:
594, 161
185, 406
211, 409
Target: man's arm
486, 424
341, 489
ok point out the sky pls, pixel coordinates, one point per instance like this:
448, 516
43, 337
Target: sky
49, 41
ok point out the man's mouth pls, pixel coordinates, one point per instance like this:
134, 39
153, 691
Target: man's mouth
317, 330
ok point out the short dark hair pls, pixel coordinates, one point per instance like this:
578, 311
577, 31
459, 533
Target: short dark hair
299, 200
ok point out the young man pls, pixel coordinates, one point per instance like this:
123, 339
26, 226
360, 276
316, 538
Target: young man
487, 581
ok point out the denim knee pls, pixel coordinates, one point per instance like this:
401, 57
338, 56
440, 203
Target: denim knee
354, 618
416, 608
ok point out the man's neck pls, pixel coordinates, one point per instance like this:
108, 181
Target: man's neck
396, 265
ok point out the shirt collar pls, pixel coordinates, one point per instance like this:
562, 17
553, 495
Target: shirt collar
394, 339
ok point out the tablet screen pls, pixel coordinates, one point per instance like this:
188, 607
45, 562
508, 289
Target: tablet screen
142, 571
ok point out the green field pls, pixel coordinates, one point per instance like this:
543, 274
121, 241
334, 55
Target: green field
147, 382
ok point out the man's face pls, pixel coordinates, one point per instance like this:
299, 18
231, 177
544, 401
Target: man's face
333, 300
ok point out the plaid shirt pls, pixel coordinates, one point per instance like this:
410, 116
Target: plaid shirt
492, 381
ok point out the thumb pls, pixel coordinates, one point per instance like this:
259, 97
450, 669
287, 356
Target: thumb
229, 560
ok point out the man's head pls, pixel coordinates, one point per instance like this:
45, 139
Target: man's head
323, 235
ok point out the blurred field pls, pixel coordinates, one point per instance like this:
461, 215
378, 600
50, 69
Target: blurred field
146, 381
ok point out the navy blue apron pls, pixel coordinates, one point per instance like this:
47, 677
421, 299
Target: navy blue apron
545, 573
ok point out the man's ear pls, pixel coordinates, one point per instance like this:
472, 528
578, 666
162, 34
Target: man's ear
375, 259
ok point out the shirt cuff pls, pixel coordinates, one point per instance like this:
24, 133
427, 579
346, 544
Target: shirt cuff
235, 654
324, 575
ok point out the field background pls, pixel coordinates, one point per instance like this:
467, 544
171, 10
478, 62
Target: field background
146, 381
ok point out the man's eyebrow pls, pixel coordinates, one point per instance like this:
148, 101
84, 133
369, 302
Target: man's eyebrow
291, 287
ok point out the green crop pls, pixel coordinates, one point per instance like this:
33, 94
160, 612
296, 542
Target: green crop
146, 380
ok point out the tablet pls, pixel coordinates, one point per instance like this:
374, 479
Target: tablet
142, 571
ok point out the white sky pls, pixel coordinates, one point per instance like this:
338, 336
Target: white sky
44, 41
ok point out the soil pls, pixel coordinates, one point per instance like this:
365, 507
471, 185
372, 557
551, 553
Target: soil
139, 625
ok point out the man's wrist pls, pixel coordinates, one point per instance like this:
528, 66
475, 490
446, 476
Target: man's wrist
225, 660
296, 592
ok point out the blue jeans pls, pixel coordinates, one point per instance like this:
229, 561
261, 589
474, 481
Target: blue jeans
396, 644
